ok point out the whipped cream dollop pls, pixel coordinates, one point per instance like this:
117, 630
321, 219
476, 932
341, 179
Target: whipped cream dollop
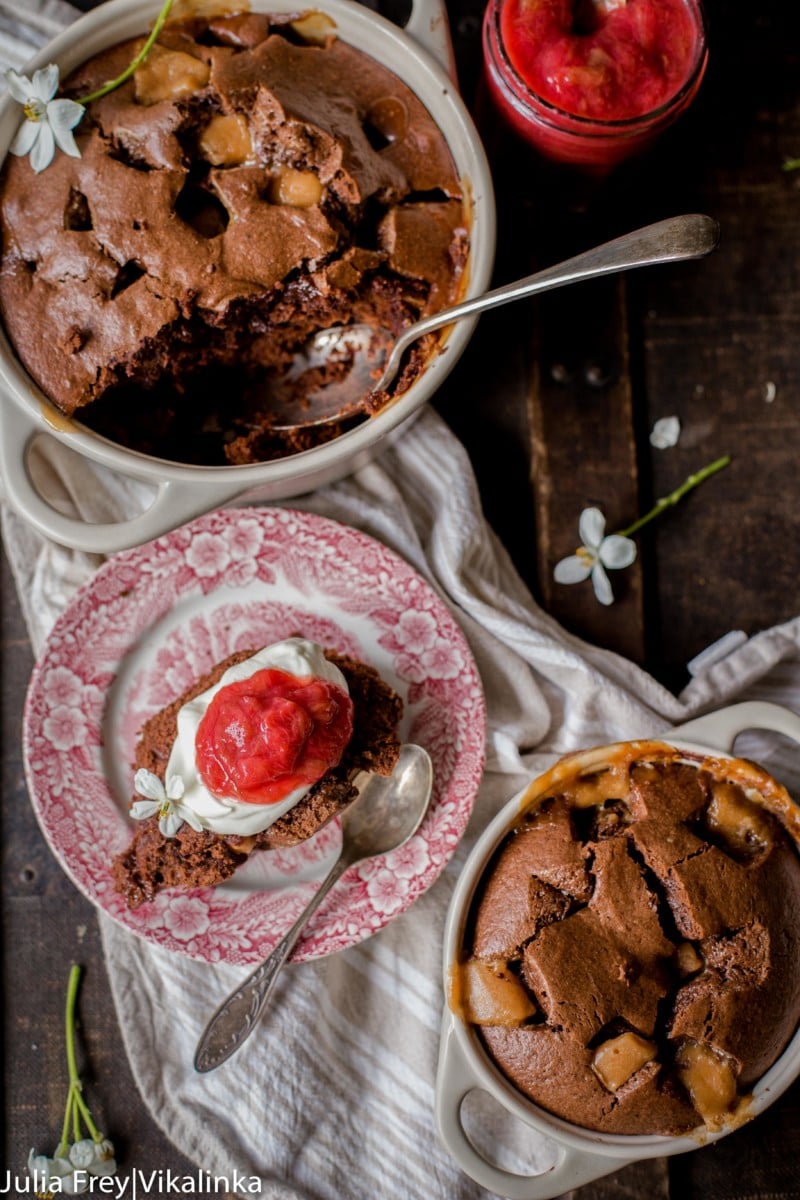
297, 656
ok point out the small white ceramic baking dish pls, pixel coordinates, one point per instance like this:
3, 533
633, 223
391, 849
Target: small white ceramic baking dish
421, 54
583, 1155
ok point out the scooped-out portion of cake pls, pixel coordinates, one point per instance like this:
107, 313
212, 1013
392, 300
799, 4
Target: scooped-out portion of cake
255, 181
259, 754
632, 962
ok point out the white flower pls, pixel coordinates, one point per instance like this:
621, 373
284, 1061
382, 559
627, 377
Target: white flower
596, 553
48, 123
81, 1154
162, 800
665, 433
52, 1176
93, 1158
70, 1176
42, 1170
104, 1161
96, 1158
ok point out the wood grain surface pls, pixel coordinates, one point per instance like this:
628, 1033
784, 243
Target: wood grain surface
554, 400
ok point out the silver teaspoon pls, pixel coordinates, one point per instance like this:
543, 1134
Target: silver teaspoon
385, 813
371, 355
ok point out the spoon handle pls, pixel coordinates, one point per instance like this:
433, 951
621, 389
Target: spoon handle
236, 1017
691, 235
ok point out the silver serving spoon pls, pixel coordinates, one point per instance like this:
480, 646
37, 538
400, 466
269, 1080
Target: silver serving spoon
385, 813
371, 355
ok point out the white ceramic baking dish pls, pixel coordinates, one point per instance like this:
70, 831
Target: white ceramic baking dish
582, 1155
421, 54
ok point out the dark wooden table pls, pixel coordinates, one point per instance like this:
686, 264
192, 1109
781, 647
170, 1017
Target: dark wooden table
554, 399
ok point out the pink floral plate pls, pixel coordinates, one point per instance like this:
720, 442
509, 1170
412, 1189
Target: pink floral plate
154, 619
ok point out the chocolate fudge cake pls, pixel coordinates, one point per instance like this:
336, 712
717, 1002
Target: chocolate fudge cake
633, 955
221, 816
255, 181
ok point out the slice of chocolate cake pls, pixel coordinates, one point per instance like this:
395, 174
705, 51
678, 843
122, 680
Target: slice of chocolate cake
206, 848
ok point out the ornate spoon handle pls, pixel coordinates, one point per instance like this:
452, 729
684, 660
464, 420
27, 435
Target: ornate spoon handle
691, 235
235, 1019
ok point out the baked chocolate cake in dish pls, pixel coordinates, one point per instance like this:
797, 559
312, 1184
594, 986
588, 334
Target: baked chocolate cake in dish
260, 753
255, 181
633, 957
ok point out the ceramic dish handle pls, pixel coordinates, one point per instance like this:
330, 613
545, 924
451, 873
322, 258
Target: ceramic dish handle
174, 502
455, 1081
719, 730
429, 26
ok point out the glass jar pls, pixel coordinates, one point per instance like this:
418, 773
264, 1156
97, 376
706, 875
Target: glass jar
585, 128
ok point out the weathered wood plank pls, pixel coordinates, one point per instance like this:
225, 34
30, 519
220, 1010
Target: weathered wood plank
583, 453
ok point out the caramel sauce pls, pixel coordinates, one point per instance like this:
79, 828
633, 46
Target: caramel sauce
468, 207
583, 771
608, 784
55, 418
455, 992
759, 787
738, 821
594, 776
710, 1081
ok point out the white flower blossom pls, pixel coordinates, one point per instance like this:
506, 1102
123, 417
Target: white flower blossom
81, 1154
43, 1171
93, 1157
665, 433
52, 1176
104, 1160
596, 553
166, 801
48, 122
70, 1175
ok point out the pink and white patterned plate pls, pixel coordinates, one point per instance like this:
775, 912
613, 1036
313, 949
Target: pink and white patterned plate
154, 619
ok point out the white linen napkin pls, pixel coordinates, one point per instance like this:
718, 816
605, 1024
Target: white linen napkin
332, 1097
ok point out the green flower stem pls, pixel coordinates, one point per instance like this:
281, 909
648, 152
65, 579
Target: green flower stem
138, 60
674, 497
81, 1104
76, 1105
63, 1146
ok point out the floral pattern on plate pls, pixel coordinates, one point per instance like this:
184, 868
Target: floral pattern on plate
154, 619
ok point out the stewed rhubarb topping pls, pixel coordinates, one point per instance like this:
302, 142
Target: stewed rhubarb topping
263, 737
